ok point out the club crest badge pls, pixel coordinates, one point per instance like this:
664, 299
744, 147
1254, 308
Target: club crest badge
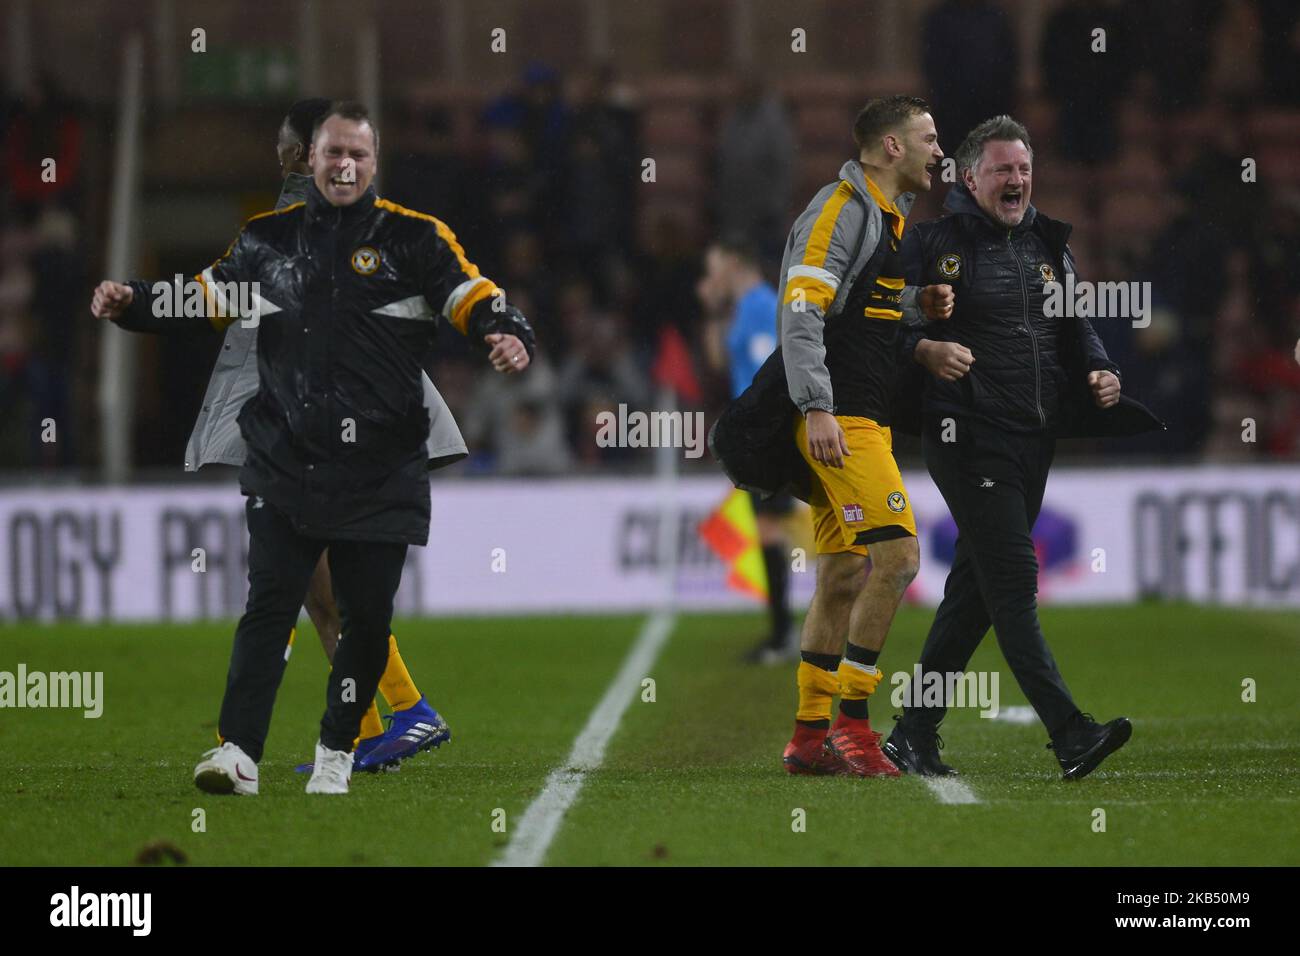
1049, 275
950, 266
897, 503
365, 260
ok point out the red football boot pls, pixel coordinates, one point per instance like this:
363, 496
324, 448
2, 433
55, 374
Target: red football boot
856, 748
806, 752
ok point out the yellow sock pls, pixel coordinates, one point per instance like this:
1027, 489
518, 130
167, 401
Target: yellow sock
371, 725
396, 684
817, 687
857, 681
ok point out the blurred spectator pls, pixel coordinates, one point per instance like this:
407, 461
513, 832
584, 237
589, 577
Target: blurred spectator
603, 172
517, 422
43, 125
755, 167
426, 174
1173, 44
971, 61
664, 293
599, 374
1280, 49
1235, 66
1087, 86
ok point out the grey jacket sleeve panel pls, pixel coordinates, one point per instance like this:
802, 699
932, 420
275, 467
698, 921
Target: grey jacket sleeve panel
444, 444
824, 244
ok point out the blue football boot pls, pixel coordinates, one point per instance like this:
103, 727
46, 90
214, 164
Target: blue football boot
410, 731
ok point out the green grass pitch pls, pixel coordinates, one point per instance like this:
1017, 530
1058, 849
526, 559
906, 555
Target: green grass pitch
693, 777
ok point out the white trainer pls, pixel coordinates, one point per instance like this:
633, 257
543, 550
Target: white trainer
332, 771
227, 769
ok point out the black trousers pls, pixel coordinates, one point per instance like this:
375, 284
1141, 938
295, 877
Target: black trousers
993, 483
280, 564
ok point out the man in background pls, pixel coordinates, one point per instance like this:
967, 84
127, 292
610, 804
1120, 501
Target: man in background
738, 345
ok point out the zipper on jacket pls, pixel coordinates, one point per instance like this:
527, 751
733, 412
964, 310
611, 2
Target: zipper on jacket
1033, 339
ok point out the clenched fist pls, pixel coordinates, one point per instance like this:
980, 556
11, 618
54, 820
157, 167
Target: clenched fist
946, 360
1105, 388
936, 301
111, 299
508, 353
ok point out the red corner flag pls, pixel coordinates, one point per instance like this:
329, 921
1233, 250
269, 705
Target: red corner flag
673, 366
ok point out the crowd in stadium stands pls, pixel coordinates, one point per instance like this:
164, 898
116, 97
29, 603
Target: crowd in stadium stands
1141, 147
42, 275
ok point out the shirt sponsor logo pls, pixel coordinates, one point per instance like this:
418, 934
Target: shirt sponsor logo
853, 513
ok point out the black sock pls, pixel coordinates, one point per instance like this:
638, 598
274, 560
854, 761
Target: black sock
827, 662
860, 655
857, 709
778, 605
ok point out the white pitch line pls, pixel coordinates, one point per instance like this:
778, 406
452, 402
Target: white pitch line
540, 822
948, 790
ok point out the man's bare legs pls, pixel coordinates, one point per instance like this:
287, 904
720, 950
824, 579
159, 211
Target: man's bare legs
322, 609
844, 632
851, 606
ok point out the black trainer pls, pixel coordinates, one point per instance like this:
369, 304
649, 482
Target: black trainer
1084, 743
915, 749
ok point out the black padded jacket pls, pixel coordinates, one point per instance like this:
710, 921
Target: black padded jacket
346, 303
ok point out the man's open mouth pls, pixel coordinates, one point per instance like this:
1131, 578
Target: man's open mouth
1012, 200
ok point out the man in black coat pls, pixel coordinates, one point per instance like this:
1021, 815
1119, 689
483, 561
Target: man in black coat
345, 290
1006, 379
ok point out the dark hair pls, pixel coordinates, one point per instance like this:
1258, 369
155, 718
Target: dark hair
303, 116
1002, 129
740, 246
885, 113
348, 110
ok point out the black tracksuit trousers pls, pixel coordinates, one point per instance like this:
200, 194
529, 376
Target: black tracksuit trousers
993, 483
280, 564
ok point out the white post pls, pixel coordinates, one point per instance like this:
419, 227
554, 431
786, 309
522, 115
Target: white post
667, 465
454, 39
742, 34
18, 51
309, 52
167, 83
368, 69
117, 355
598, 28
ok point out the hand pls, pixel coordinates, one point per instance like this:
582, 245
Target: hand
508, 353
945, 360
111, 299
1105, 388
937, 301
826, 441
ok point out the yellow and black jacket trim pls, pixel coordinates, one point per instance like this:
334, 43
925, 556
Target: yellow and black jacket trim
336, 431
842, 230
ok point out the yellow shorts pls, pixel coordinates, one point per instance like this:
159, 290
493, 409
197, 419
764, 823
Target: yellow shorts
864, 501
